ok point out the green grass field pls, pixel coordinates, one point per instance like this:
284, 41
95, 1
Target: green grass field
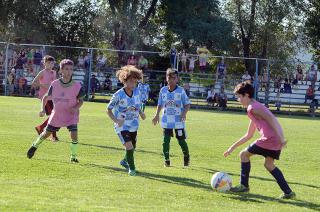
48, 182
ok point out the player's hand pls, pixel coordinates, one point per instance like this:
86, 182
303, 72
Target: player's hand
284, 144
183, 117
228, 152
155, 120
143, 115
42, 113
119, 122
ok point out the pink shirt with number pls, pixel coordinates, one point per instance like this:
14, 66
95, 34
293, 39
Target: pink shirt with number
268, 137
47, 77
64, 97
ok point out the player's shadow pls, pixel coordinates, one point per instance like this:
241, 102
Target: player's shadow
258, 198
262, 178
162, 178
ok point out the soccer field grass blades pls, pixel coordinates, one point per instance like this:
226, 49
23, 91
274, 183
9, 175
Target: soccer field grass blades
239, 188
291, 195
31, 152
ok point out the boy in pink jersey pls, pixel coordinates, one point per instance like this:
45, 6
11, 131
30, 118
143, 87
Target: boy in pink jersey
268, 145
43, 81
66, 96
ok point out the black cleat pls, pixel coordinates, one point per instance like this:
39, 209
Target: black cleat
167, 163
31, 152
186, 160
74, 160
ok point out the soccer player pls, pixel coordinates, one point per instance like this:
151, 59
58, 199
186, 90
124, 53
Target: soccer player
175, 104
43, 80
268, 145
66, 96
124, 110
144, 89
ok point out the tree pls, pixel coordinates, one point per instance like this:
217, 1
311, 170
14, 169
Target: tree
312, 27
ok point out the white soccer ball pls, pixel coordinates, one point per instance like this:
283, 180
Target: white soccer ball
221, 182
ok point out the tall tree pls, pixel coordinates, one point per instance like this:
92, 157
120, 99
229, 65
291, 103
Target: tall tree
312, 26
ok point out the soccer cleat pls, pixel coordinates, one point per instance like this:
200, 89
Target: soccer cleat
38, 130
239, 188
132, 172
186, 160
291, 195
74, 160
124, 163
167, 163
31, 152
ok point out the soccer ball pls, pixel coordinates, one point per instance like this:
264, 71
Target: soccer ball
221, 182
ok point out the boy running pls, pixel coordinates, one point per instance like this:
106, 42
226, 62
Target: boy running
175, 104
268, 145
124, 110
66, 96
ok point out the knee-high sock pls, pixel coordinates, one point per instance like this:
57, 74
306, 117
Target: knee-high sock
166, 147
277, 174
245, 172
184, 147
130, 159
38, 141
74, 148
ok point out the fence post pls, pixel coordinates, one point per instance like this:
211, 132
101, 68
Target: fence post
267, 84
256, 81
6, 70
89, 74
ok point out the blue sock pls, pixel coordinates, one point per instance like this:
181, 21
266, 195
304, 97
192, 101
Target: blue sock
245, 171
277, 174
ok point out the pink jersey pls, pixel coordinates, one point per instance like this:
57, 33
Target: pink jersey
269, 138
64, 97
47, 77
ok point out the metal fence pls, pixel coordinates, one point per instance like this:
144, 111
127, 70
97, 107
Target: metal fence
209, 80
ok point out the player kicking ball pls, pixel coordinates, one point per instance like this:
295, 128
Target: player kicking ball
268, 145
175, 104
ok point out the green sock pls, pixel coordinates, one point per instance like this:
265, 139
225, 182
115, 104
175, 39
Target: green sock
166, 146
74, 148
184, 147
130, 159
37, 142
143, 107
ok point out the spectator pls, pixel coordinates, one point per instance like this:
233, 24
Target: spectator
287, 86
94, 85
30, 57
264, 78
203, 57
186, 87
221, 71
184, 60
81, 63
211, 97
277, 84
132, 60
14, 58
278, 101
87, 60
173, 57
1, 58
312, 75
309, 94
37, 57
19, 67
192, 61
101, 62
143, 63
11, 80
222, 99
246, 77
22, 85
107, 84
299, 73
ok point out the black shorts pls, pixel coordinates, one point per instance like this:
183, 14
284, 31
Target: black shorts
49, 107
127, 136
255, 149
180, 133
51, 128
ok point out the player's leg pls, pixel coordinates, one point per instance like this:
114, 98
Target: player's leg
130, 157
277, 174
74, 143
167, 134
45, 134
245, 172
181, 137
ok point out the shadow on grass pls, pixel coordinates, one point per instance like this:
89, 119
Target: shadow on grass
262, 178
162, 178
258, 198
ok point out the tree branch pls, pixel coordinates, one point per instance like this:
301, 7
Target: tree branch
151, 11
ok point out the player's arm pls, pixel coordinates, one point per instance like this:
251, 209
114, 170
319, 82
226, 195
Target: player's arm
113, 102
185, 111
142, 115
44, 101
35, 81
272, 121
242, 140
156, 118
